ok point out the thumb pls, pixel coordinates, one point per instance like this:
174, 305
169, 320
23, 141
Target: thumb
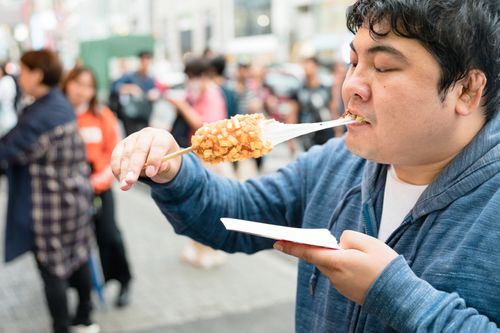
358, 241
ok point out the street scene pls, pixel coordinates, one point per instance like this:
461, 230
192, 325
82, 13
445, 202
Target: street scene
129, 65
248, 294
307, 166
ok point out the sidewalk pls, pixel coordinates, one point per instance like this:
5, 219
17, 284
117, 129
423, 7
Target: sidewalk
248, 294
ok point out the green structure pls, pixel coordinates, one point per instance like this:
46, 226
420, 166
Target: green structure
96, 54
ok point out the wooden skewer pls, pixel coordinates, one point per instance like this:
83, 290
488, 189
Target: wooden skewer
178, 153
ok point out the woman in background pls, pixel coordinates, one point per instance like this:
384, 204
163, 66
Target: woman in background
50, 199
99, 129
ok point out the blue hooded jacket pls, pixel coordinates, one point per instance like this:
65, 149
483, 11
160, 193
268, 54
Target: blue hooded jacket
447, 277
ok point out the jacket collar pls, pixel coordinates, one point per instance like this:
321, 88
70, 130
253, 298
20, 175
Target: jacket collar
476, 163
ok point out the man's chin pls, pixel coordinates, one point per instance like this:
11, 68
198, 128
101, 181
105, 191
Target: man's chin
363, 151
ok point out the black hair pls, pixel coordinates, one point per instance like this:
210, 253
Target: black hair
313, 59
45, 61
218, 64
462, 35
196, 67
244, 64
145, 54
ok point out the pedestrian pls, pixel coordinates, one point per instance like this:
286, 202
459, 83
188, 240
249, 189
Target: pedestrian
412, 191
49, 199
99, 130
240, 86
137, 92
217, 72
312, 104
8, 115
204, 103
114, 95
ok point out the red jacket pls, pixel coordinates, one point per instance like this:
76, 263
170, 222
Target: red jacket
100, 134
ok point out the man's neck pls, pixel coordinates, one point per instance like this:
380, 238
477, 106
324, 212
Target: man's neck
419, 175
312, 82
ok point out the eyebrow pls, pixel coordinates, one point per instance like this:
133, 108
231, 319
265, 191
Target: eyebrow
385, 49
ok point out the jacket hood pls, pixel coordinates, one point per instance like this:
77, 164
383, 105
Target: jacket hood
477, 162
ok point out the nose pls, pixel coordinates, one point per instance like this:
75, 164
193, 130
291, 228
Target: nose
355, 88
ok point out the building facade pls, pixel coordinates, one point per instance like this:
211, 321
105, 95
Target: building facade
261, 30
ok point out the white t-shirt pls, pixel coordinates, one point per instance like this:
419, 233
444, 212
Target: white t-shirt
399, 199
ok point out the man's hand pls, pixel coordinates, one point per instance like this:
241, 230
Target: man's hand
153, 95
351, 270
178, 103
141, 153
131, 89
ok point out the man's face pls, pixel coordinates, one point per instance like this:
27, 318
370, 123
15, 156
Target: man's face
145, 62
393, 84
242, 73
310, 68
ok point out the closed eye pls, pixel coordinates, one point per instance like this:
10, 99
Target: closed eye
384, 70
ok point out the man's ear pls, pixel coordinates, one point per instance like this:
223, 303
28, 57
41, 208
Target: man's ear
472, 88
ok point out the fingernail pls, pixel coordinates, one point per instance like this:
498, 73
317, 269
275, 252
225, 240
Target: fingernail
150, 170
278, 246
130, 175
123, 183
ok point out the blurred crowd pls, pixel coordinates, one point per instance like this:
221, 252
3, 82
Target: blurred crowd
56, 140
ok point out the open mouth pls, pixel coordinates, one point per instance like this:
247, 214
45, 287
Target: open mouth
357, 118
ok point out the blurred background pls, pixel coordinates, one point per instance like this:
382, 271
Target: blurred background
101, 34
268, 47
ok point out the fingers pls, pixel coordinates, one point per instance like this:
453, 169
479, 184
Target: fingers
137, 154
116, 159
146, 147
160, 146
312, 254
125, 178
359, 241
356, 240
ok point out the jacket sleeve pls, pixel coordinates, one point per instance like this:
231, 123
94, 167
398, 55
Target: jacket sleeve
410, 304
196, 199
23, 144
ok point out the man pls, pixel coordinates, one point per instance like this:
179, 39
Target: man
422, 174
312, 104
136, 92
